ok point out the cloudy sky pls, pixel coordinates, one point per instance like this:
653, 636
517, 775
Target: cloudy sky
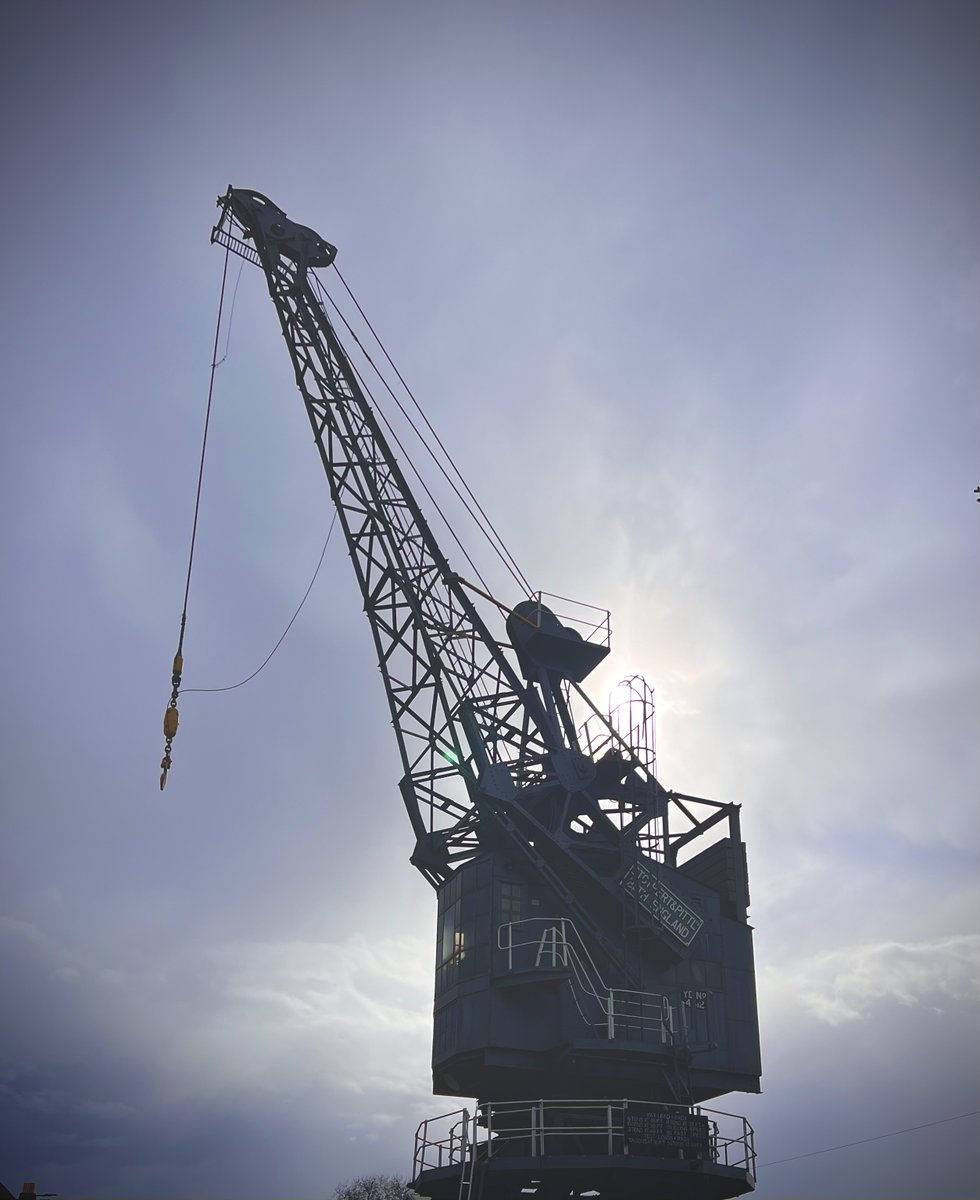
689, 290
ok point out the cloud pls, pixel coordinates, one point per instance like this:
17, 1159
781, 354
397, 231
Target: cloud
701, 334
90, 511
850, 983
358, 1011
181, 1056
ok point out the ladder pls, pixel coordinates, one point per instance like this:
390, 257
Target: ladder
469, 1174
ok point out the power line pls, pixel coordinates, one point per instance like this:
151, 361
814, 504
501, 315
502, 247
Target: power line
878, 1138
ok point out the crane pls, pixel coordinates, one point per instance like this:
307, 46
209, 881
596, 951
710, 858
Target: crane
592, 941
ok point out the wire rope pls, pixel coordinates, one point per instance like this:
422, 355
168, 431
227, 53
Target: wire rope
248, 679
170, 716
398, 442
204, 446
231, 313
485, 526
502, 551
418, 475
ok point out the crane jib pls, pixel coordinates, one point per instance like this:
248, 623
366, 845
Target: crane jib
434, 648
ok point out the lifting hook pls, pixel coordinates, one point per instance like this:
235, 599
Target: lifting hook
171, 719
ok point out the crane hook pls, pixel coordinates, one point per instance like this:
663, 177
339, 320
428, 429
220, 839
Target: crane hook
171, 719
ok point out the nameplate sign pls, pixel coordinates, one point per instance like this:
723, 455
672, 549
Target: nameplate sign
664, 1132
660, 902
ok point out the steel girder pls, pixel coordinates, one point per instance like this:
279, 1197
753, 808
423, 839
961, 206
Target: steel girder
434, 649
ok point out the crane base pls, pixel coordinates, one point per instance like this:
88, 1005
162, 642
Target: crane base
559, 1178
551, 1149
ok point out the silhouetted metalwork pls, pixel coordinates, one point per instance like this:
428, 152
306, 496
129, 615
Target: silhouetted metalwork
592, 936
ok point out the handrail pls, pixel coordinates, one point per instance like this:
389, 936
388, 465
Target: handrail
623, 1009
539, 1128
591, 629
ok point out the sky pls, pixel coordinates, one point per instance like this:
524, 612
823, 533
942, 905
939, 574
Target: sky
690, 292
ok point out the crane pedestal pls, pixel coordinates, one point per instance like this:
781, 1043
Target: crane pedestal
622, 1149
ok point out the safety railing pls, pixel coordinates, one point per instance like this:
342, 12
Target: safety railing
554, 943
592, 624
630, 725
447, 1141
613, 1129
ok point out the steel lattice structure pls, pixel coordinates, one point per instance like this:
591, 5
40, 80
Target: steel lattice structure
460, 709
633, 962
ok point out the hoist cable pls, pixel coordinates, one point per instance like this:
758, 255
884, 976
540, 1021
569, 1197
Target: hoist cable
231, 686
325, 295
204, 446
504, 553
415, 471
170, 716
231, 313
485, 526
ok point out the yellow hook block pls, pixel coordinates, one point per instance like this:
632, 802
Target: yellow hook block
170, 721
